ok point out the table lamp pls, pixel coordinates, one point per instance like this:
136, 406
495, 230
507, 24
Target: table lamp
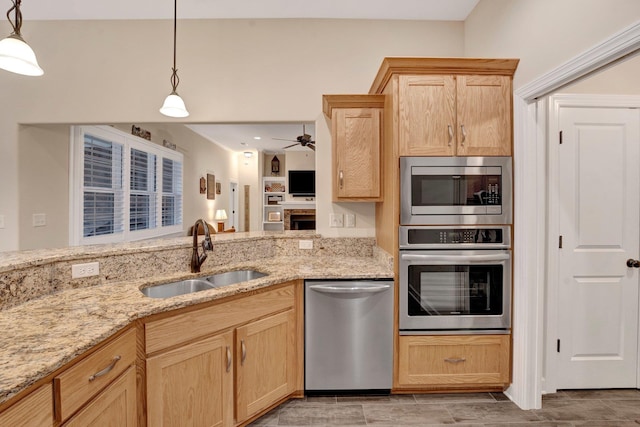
220, 216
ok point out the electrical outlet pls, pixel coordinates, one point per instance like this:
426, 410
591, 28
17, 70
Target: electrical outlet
305, 244
85, 270
39, 220
350, 220
336, 220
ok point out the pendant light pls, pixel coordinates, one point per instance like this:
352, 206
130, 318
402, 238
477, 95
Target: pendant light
15, 54
174, 105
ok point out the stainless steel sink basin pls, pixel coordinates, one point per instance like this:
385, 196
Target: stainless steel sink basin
167, 290
231, 277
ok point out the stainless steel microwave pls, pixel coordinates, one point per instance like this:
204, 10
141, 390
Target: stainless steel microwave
455, 190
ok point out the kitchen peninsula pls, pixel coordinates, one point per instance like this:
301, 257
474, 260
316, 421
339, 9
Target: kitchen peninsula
52, 323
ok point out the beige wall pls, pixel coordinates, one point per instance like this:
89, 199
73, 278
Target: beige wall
622, 78
543, 33
230, 71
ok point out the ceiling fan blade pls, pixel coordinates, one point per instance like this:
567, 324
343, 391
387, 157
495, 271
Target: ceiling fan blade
292, 145
313, 147
282, 139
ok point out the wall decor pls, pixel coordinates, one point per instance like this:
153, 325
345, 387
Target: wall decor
211, 186
203, 185
274, 216
139, 132
218, 187
275, 166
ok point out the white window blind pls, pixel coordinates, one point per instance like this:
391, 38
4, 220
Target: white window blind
123, 188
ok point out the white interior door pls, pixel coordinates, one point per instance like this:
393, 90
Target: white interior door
233, 205
599, 220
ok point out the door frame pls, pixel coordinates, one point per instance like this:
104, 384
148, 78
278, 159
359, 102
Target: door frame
530, 218
555, 103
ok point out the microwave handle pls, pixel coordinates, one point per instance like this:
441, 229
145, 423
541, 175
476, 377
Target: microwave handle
455, 258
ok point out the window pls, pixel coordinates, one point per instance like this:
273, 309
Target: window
123, 188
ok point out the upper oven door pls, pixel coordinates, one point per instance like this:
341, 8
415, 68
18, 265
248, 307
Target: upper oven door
455, 190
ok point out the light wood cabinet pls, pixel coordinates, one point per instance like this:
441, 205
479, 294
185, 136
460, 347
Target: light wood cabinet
454, 115
266, 363
356, 134
454, 361
36, 409
115, 406
226, 363
192, 385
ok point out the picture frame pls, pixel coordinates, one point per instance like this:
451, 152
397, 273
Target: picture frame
211, 186
218, 188
274, 217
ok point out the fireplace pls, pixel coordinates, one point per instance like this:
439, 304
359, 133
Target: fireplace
299, 219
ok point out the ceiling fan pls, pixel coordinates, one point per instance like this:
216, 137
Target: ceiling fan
303, 140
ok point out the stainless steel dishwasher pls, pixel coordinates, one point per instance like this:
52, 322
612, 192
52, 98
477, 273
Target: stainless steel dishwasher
348, 335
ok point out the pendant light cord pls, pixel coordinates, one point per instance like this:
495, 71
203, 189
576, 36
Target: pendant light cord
17, 24
174, 76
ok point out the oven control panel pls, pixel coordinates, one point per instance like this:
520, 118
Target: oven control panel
417, 237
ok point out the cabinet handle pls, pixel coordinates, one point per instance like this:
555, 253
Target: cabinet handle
464, 134
450, 134
455, 360
244, 352
105, 370
228, 358
341, 179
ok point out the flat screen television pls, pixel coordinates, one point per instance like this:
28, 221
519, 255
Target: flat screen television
302, 183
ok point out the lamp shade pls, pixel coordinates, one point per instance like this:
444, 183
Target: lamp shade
16, 56
221, 215
174, 106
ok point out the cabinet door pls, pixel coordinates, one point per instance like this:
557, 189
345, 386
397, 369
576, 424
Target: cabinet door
427, 115
192, 385
484, 116
34, 410
356, 149
454, 361
266, 363
115, 406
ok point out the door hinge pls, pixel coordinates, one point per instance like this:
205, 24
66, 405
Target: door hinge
560, 242
558, 346
560, 137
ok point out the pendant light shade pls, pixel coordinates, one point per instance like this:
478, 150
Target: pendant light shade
15, 54
174, 105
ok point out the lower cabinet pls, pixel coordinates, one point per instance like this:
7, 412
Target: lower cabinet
36, 409
266, 363
192, 385
115, 406
453, 361
224, 364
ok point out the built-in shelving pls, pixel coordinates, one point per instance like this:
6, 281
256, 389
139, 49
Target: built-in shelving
273, 194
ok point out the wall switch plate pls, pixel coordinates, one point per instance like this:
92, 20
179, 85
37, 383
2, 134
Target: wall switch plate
336, 220
85, 270
350, 220
1, 221
39, 220
305, 244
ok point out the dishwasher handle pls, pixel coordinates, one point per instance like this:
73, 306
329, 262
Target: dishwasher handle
330, 289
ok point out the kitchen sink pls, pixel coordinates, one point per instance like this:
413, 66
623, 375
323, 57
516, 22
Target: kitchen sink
231, 277
168, 290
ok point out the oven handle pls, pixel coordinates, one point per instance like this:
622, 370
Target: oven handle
349, 289
455, 258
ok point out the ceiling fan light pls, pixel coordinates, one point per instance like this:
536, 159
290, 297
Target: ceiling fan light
17, 57
174, 106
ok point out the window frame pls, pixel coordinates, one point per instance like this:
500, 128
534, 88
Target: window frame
76, 185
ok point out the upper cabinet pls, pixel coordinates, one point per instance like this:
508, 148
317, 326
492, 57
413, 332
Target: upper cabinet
449, 106
356, 133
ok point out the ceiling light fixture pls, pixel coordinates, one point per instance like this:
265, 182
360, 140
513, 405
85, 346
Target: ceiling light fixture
174, 105
15, 54
248, 154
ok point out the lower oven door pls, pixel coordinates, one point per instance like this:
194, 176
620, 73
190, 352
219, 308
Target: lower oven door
455, 290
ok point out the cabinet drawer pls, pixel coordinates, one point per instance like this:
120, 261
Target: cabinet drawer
78, 384
456, 361
34, 410
186, 327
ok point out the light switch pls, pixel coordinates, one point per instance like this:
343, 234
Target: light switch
350, 220
39, 220
336, 220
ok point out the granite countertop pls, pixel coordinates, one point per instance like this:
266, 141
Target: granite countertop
42, 335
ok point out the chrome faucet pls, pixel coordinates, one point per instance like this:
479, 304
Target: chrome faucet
198, 259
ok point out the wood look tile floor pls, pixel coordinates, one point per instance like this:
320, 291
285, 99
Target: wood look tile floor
575, 408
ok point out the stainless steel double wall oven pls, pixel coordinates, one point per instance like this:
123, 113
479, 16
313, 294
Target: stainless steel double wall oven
455, 245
